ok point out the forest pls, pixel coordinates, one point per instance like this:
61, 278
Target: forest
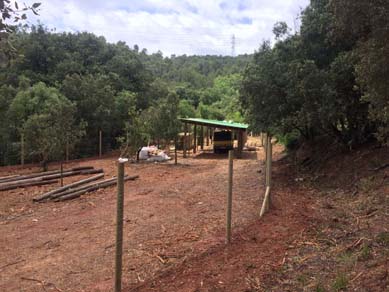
329, 78
63, 88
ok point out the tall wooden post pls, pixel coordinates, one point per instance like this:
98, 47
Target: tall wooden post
202, 138
208, 133
67, 150
61, 173
119, 225
240, 144
269, 157
175, 150
229, 195
195, 138
184, 142
100, 143
262, 140
22, 149
267, 199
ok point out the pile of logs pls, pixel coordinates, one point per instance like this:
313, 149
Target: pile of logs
43, 178
76, 189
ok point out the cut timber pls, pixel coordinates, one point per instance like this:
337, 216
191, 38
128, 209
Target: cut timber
5, 178
16, 184
94, 187
28, 176
80, 188
66, 187
82, 168
92, 171
29, 183
266, 202
39, 174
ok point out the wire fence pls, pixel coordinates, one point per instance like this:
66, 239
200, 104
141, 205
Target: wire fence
11, 153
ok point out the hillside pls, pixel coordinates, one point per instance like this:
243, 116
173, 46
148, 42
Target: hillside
327, 231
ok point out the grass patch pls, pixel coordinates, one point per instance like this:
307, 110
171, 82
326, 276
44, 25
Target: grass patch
365, 253
383, 239
340, 283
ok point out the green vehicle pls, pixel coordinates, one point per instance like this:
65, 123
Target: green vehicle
222, 141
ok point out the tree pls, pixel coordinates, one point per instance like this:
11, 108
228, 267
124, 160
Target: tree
46, 118
11, 12
365, 24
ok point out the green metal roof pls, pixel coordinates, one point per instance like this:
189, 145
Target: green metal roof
215, 123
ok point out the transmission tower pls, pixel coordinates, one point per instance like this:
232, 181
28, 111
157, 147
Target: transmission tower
233, 45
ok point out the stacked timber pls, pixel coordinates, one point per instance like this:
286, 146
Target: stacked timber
77, 189
43, 178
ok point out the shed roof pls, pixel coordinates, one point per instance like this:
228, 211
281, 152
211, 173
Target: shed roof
215, 123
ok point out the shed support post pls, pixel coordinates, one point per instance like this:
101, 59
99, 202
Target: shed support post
195, 138
240, 143
202, 138
184, 142
208, 133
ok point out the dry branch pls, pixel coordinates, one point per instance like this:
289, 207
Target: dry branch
66, 187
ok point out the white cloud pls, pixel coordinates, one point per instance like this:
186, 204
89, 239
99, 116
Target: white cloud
174, 26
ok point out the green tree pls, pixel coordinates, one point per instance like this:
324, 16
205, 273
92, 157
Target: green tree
46, 118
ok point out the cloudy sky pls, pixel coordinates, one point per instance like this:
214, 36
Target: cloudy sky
174, 26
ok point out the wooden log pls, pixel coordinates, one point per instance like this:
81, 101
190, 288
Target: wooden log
5, 185
81, 168
94, 187
5, 178
79, 188
92, 171
28, 184
40, 174
66, 187
58, 175
28, 176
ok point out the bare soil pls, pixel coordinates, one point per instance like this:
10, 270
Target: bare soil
171, 213
311, 240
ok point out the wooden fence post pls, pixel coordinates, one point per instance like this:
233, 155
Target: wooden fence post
119, 225
229, 195
175, 150
202, 138
195, 138
67, 150
61, 173
100, 143
184, 142
267, 199
22, 149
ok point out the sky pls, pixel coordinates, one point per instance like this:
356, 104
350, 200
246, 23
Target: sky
191, 27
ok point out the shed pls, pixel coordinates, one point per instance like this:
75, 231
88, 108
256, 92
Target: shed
239, 128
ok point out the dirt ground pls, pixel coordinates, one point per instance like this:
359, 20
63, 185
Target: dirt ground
318, 235
172, 213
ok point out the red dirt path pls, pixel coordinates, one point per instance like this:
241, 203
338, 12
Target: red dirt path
173, 230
